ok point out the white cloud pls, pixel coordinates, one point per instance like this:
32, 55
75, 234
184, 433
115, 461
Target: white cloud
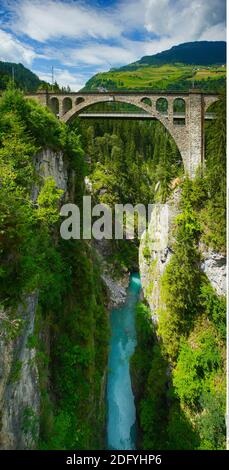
96, 54
64, 78
131, 14
11, 49
103, 54
216, 31
178, 21
184, 18
43, 20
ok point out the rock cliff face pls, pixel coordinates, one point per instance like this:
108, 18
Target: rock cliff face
49, 163
19, 384
156, 248
116, 287
214, 266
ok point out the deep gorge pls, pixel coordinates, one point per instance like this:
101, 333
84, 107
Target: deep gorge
56, 297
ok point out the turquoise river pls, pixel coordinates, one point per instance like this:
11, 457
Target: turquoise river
121, 422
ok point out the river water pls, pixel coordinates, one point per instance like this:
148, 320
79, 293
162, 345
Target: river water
121, 423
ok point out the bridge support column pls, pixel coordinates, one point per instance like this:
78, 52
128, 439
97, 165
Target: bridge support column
195, 123
170, 110
61, 108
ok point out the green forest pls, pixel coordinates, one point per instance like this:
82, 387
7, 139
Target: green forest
179, 378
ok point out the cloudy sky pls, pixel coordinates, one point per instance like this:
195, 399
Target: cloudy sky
81, 37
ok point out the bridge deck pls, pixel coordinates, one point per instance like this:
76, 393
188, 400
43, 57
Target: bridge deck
126, 93
101, 115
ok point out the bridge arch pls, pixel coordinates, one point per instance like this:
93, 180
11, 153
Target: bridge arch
162, 105
179, 105
87, 102
66, 105
210, 102
128, 99
146, 101
79, 100
179, 112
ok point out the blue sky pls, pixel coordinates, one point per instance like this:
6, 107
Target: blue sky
81, 37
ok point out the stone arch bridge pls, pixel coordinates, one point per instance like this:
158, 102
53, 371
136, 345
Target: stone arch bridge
182, 114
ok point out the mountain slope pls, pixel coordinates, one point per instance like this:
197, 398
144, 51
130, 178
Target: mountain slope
175, 69
23, 77
189, 53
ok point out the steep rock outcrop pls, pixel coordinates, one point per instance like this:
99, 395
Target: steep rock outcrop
116, 286
49, 163
156, 248
19, 383
214, 266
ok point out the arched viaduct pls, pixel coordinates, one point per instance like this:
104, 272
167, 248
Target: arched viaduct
182, 114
